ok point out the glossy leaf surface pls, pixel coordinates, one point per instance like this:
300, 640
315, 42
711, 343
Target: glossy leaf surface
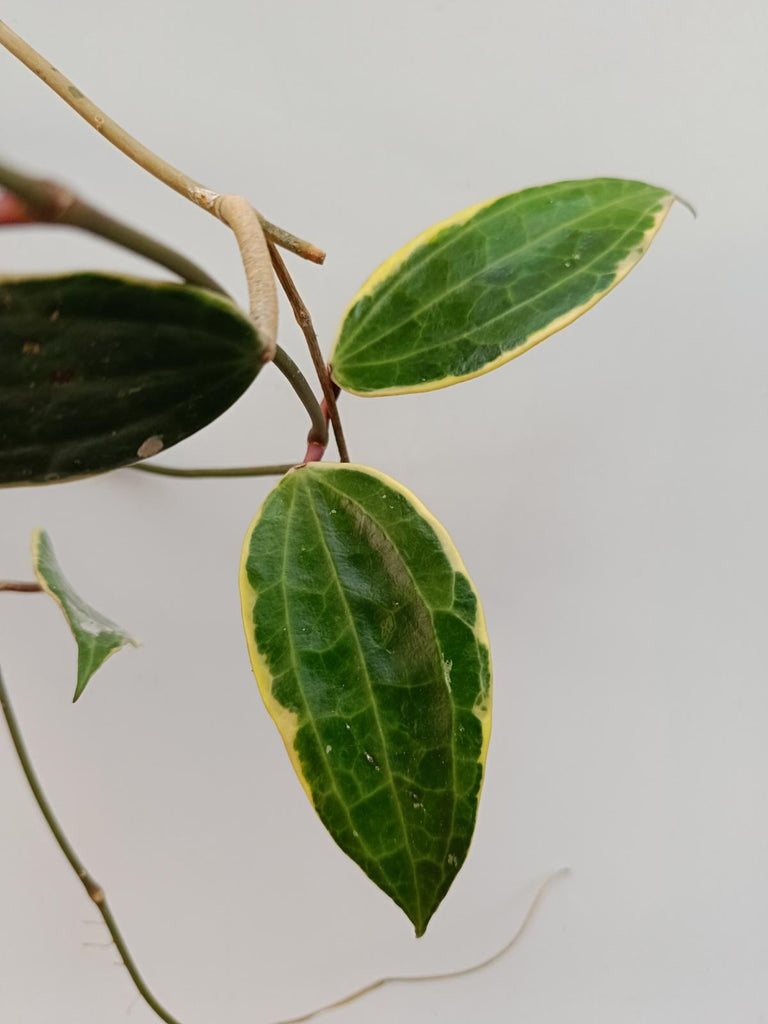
369, 646
98, 372
97, 637
486, 285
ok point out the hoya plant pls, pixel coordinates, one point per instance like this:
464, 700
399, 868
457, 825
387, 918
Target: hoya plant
365, 632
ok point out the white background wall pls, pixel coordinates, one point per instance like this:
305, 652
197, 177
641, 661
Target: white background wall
608, 492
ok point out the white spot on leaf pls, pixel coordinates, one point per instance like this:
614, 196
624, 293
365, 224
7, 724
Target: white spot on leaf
152, 446
447, 666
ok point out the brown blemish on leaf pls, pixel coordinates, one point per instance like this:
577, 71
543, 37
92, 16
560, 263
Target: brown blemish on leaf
30, 348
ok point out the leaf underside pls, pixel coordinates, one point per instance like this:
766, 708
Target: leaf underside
369, 646
97, 637
98, 372
488, 284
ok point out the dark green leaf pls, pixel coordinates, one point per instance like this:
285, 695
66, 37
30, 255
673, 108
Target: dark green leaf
97, 637
98, 372
369, 646
484, 286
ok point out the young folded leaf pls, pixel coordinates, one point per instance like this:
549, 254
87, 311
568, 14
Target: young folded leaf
370, 650
97, 637
484, 286
98, 372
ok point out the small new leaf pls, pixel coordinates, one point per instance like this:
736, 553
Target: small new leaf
97, 636
486, 285
369, 646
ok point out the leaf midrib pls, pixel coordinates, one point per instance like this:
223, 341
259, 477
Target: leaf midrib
377, 523
430, 248
512, 309
300, 690
429, 611
529, 244
371, 695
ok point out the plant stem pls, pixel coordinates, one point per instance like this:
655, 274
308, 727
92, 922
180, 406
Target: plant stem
304, 320
277, 470
51, 203
319, 430
20, 587
131, 147
238, 214
91, 886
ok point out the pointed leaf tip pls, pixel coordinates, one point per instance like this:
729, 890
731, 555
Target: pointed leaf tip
97, 637
487, 284
369, 646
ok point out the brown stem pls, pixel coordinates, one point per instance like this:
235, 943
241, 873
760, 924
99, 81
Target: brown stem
20, 587
91, 886
304, 320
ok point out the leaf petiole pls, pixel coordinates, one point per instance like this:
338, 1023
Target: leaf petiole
238, 471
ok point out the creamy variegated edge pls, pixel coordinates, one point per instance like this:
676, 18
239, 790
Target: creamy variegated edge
391, 265
287, 721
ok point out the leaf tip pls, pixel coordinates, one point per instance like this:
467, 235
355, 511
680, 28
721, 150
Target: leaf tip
686, 203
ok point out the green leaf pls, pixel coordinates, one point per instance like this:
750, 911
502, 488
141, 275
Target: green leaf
370, 650
98, 372
97, 636
484, 286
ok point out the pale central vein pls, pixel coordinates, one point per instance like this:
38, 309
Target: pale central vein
374, 707
509, 311
525, 247
364, 511
295, 665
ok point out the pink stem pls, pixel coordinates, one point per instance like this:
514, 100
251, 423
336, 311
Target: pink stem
14, 211
315, 450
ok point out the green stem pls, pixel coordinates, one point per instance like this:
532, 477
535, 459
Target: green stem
319, 430
94, 890
278, 470
53, 204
